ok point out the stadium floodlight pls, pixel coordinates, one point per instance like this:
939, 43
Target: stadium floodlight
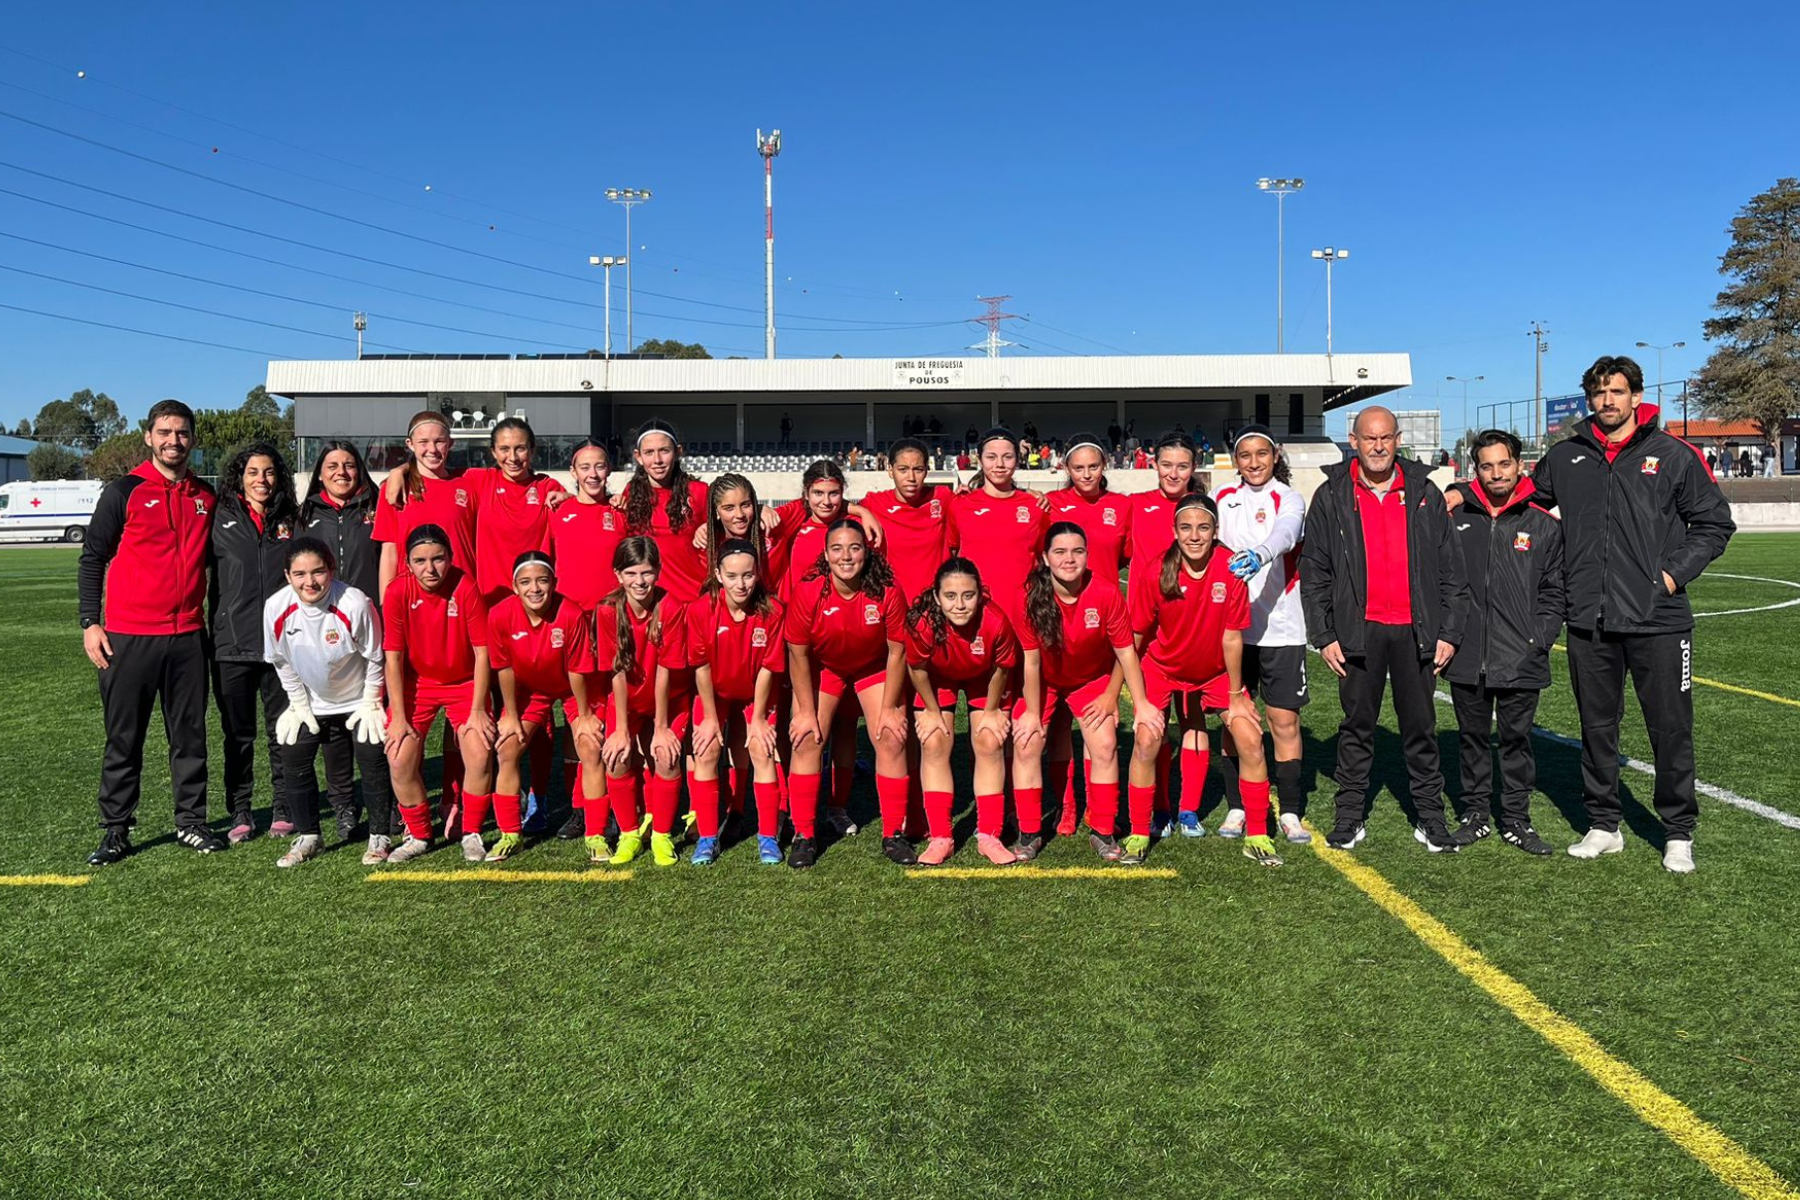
1329, 255
1280, 189
1659, 369
627, 198
608, 262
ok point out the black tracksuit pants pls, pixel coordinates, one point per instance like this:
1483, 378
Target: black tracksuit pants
1476, 708
237, 687
144, 669
1389, 655
1661, 667
344, 754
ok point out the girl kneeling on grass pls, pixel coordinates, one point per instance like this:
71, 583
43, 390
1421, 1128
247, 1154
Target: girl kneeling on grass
638, 639
736, 648
323, 637
1189, 627
846, 635
1078, 650
541, 647
437, 661
959, 640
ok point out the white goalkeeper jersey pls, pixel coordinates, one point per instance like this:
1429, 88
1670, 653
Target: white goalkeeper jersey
327, 654
1269, 519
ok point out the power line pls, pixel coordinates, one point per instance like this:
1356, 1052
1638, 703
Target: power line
38, 312
1077, 336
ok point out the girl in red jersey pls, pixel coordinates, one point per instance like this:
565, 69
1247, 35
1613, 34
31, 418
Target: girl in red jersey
435, 638
736, 647
1078, 650
434, 494
1001, 525
663, 502
846, 634
1189, 629
734, 513
958, 639
583, 531
541, 646
639, 637
919, 526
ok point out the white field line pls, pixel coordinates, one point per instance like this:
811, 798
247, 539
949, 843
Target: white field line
1734, 612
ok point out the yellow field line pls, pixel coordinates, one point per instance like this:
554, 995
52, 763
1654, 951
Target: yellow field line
43, 880
1727, 687
480, 876
1718, 1153
1113, 873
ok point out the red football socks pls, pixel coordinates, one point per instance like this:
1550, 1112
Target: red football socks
506, 813
475, 811
572, 784
623, 791
768, 809
703, 794
891, 791
1029, 804
418, 820
990, 812
1256, 806
803, 803
1142, 801
938, 807
1103, 808
663, 796
1193, 776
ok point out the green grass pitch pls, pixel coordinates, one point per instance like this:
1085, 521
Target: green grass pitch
199, 1027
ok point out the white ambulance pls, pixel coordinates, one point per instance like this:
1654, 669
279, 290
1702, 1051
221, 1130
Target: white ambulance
51, 511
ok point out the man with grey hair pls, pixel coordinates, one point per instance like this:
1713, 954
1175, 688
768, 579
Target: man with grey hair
1382, 587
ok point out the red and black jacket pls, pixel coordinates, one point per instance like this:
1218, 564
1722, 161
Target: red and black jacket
146, 553
1514, 562
348, 529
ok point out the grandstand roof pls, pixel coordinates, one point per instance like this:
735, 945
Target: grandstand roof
1356, 377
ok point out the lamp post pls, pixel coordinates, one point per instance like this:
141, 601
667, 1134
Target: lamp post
1280, 189
1329, 255
361, 321
1465, 380
608, 262
627, 198
1659, 375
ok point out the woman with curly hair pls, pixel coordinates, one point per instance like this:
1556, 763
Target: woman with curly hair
666, 504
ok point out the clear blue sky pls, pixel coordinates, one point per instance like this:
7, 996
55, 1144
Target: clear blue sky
1576, 164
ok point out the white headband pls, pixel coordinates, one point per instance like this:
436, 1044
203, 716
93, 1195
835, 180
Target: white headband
534, 562
1079, 445
646, 433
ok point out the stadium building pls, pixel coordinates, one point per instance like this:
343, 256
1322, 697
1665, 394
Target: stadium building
729, 412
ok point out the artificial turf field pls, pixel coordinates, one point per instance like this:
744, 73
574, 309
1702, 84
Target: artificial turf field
188, 1026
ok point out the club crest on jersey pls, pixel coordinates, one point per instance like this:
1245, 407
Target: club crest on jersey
937, 509
453, 606
759, 639
606, 519
1521, 541
369, 517
283, 532
1109, 516
871, 614
556, 637
462, 498
1651, 465
978, 647
332, 637
1219, 592
199, 506
531, 496
1090, 618
1262, 516
1024, 515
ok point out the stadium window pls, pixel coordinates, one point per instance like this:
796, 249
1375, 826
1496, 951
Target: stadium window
1296, 414
1262, 408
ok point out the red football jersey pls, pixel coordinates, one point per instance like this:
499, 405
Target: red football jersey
541, 656
917, 538
736, 648
965, 657
1002, 538
850, 636
513, 520
796, 546
582, 538
683, 564
452, 503
1107, 521
1094, 624
1187, 635
437, 632
669, 650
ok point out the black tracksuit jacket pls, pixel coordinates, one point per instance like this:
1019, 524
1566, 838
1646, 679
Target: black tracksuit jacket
347, 531
1514, 563
247, 569
1334, 574
1654, 508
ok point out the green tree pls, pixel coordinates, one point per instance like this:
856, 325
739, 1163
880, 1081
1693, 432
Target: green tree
1754, 374
23, 428
117, 456
673, 349
220, 432
258, 402
98, 405
50, 461
67, 423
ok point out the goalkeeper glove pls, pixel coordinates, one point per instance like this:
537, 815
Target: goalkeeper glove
368, 723
287, 725
1245, 563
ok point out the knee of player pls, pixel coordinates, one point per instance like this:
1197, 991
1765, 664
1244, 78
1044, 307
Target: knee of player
987, 744
1103, 742
1146, 744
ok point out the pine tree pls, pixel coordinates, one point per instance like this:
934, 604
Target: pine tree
1754, 374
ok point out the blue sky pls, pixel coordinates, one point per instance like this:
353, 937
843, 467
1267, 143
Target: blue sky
1486, 166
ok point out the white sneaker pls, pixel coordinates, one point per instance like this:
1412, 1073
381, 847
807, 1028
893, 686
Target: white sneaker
307, 846
839, 821
377, 853
1294, 830
1597, 842
473, 848
1678, 856
1233, 825
408, 850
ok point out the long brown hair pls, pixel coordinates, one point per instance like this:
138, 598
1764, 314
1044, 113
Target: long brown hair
1042, 608
877, 576
640, 493
594, 443
716, 537
758, 602
1169, 581
927, 609
633, 552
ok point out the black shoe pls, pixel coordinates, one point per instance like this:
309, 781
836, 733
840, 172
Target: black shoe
1431, 834
1346, 834
802, 853
114, 845
1028, 846
1474, 827
899, 851
201, 840
574, 828
1522, 835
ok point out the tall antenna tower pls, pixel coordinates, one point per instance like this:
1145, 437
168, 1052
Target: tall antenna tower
992, 318
769, 147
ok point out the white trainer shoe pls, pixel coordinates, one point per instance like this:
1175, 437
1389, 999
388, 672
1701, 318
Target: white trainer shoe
1233, 824
1293, 830
1597, 842
1678, 856
307, 846
408, 850
473, 848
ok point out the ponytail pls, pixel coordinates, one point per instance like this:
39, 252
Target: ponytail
632, 552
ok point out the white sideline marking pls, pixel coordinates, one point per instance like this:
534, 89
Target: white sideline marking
1735, 612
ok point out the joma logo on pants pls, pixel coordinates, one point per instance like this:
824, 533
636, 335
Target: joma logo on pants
1687, 665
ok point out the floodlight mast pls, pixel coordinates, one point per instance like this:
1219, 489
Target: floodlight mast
1281, 189
768, 147
627, 198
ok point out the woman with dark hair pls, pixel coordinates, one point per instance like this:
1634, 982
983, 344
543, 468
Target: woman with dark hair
1190, 630
920, 529
733, 513
797, 531
339, 510
663, 502
582, 533
958, 640
251, 528
846, 634
433, 493
1104, 515
1001, 525
1078, 651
